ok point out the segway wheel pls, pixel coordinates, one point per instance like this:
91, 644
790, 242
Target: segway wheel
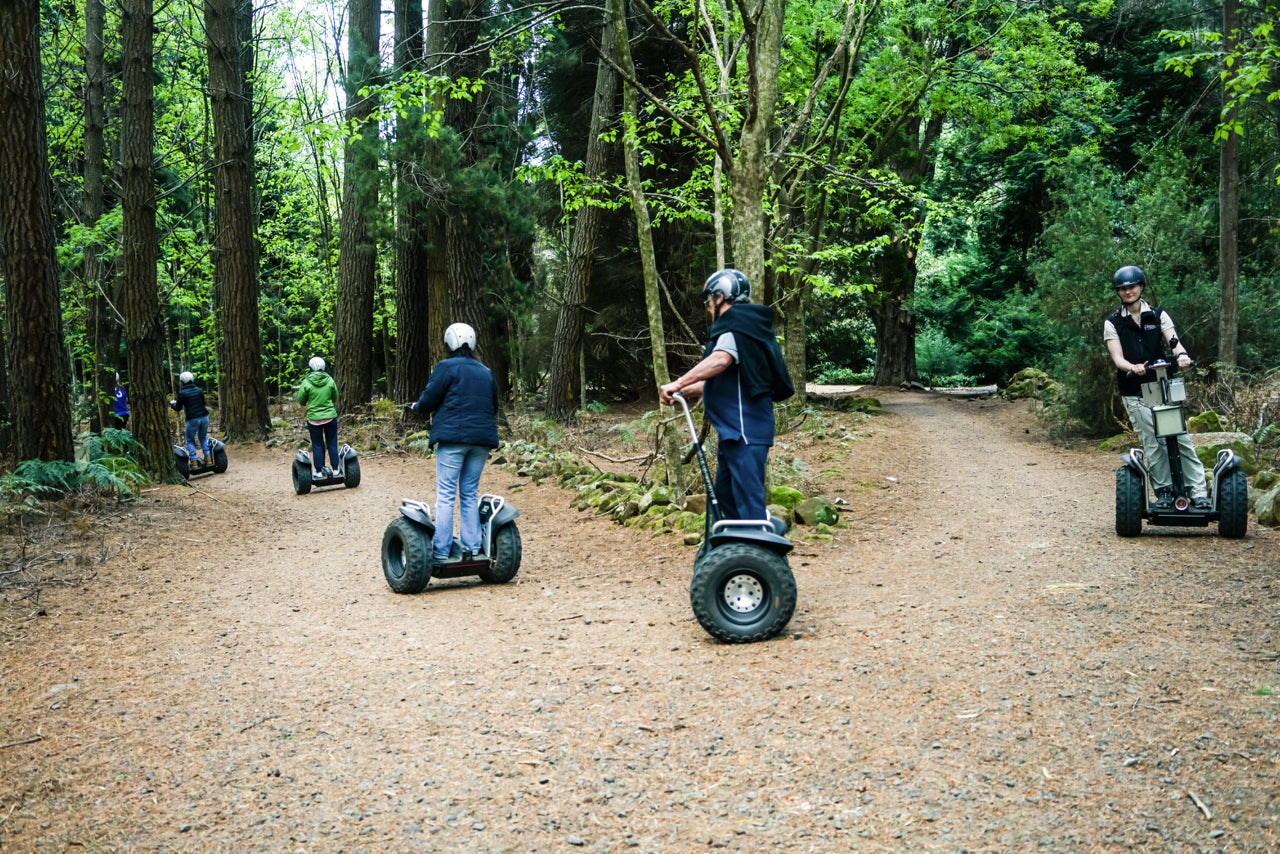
301, 477
183, 465
507, 551
220, 460
742, 593
1129, 501
406, 557
351, 472
1233, 505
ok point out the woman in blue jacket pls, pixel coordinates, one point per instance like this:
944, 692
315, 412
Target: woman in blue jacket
463, 396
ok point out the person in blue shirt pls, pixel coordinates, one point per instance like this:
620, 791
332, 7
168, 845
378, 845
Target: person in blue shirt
741, 375
120, 406
463, 395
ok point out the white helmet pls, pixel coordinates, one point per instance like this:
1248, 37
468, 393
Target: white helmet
316, 363
459, 334
186, 377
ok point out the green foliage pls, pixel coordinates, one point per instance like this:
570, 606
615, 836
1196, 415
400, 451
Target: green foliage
106, 467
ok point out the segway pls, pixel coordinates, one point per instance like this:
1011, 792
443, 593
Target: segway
347, 474
1229, 505
214, 463
742, 588
406, 547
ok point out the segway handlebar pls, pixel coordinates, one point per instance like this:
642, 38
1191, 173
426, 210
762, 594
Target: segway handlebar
688, 415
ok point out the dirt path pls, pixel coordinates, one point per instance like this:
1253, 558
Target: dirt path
977, 663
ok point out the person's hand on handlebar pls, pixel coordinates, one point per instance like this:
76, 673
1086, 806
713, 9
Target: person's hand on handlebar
1184, 361
1138, 369
691, 392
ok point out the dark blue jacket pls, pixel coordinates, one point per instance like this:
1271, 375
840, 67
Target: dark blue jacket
191, 398
739, 400
464, 397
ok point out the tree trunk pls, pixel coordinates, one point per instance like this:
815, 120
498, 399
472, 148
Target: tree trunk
467, 303
242, 397
437, 46
895, 325
1229, 206
413, 345
148, 391
566, 350
40, 400
672, 441
103, 321
357, 252
747, 173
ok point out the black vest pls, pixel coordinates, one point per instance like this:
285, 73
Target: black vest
1139, 344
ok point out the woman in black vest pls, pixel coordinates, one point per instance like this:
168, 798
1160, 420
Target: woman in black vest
1136, 334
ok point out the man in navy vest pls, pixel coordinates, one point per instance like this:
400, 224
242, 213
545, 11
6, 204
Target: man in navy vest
741, 375
1136, 334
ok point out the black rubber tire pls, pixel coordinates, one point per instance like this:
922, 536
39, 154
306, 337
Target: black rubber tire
220, 461
351, 472
1233, 505
406, 557
301, 477
1129, 502
507, 550
738, 566
183, 465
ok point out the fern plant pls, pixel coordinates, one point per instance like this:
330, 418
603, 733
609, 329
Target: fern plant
106, 466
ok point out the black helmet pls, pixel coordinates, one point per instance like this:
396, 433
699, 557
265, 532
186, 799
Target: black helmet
732, 284
1127, 276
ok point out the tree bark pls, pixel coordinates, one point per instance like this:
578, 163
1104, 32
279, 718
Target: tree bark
357, 252
104, 318
413, 345
567, 348
748, 172
671, 439
1229, 206
40, 403
242, 397
895, 324
148, 392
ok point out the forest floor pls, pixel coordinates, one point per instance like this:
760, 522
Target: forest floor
976, 663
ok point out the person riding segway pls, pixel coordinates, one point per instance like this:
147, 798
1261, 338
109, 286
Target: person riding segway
319, 394
1138, 338
742, 588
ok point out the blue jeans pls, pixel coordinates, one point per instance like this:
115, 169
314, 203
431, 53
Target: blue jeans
197, 427
458, 469
740, 479
322, 436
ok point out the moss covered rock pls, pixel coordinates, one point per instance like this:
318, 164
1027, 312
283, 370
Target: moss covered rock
1206, 422
787, 496
1207, 446
1034, 383
1265, 479
815, 511
1267, 508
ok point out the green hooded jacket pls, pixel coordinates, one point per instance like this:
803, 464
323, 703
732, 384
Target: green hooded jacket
319, 394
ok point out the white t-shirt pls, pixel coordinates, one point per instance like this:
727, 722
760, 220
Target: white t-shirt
1166, 325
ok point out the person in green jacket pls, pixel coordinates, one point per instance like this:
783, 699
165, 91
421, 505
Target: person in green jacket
319, 394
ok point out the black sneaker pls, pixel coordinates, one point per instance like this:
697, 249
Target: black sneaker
1164, 498
1200, 503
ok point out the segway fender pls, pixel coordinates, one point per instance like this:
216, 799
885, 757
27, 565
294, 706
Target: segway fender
504, 515
780, 546
1134, 460
418, 513
181, 451
215, 445
1227, 461
303, 457
346, 452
